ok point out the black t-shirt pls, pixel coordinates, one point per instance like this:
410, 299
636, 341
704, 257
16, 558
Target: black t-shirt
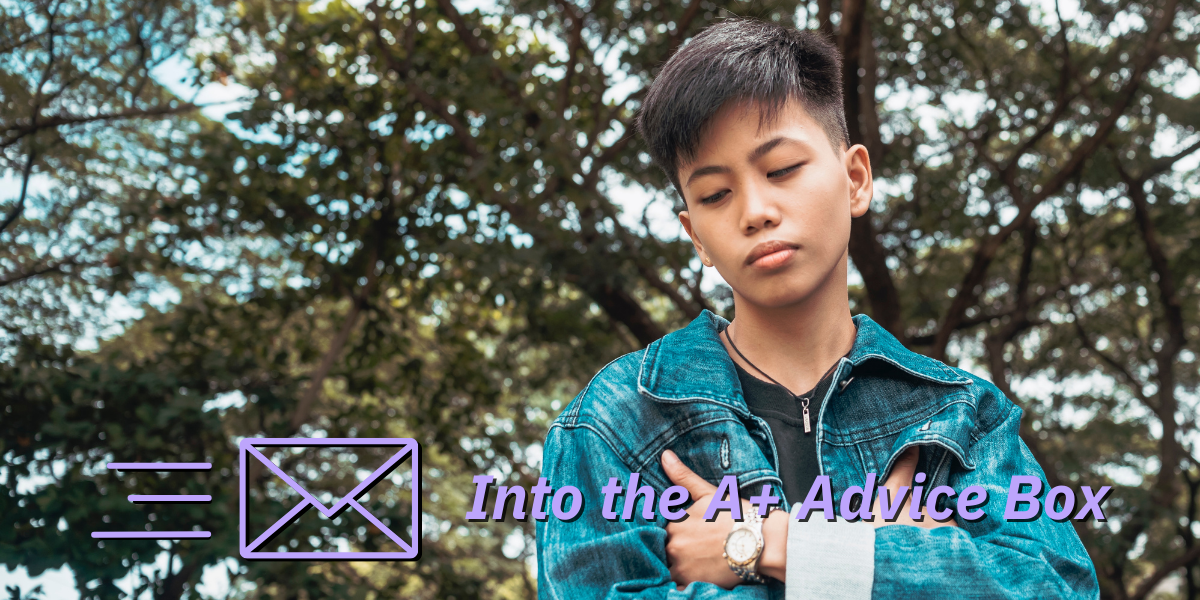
784, 414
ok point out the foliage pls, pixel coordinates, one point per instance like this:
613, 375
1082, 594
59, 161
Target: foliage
426, 223
77, 100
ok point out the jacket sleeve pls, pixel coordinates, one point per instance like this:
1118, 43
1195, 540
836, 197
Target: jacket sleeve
591, 557
988, 558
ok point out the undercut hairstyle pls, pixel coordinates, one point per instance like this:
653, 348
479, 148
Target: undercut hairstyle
739, 60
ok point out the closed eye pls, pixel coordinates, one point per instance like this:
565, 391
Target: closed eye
784, 171
714, 198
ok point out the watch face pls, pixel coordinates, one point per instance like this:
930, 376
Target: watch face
741, 545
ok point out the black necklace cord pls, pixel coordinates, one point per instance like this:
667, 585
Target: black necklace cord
772, 379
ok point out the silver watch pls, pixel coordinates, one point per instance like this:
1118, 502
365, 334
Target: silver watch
744, 545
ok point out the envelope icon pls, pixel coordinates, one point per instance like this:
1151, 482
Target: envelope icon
248, 450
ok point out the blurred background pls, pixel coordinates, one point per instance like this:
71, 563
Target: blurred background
432, 218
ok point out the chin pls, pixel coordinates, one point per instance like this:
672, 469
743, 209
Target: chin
780, 295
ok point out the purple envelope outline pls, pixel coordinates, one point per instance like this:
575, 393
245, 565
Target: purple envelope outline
407, 446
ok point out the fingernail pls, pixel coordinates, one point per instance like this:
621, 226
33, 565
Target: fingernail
668, 456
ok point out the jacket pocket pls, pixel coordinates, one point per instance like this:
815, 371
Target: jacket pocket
944, 439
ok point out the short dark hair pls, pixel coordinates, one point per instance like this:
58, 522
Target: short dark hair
740, 59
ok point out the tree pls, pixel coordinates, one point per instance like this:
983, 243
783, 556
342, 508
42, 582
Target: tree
83, 130
1035, 215
428, 232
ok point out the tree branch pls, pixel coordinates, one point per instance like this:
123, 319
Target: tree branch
40, 271
996, 340
172, 588
474, 43
868, 254
398, 66
681, 27
20, 206
621, 144
1061, 102
1161, 165
37, 125
1134, 385
970, 287
1167, 288
1148, 584
574, 42
478, 47
1171, 452
825, 17
617, 302
309, 399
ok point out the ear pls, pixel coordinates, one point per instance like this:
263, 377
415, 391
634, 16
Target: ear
685, 219
862, 186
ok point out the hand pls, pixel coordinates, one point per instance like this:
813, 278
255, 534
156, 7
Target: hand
695, 547
902, 475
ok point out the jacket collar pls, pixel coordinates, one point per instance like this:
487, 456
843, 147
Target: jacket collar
691, 363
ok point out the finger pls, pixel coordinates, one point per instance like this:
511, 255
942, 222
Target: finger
679, 474
675, 530
677, 577
903, 469
901, 475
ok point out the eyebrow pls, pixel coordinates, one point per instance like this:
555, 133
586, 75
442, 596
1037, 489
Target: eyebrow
766, 147
754, 155
702, 171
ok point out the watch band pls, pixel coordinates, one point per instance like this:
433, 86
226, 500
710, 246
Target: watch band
748, 575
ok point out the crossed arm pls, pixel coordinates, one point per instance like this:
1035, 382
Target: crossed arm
596, 558
592, 557
695, 547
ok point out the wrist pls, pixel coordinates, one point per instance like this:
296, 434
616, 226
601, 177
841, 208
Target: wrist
773, 560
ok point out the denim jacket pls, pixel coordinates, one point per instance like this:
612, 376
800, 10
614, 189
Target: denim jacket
682, 393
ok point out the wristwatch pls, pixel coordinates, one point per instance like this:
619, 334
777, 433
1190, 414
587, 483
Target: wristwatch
743, 546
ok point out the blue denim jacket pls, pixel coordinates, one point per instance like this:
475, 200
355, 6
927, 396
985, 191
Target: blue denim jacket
682, 393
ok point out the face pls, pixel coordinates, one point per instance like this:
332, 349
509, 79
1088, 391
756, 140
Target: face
770, 206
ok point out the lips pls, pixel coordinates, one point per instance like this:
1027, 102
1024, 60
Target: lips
771, 254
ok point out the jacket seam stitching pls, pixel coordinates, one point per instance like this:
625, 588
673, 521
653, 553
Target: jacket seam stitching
648, 358
603, 432
999, 422
642, 462
761, 474
863, 458
725, 402
912, 443
887, 432
572, 412
604, 439
938, 469
981, 433
947, 373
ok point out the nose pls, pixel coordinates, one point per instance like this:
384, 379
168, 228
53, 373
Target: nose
759, 210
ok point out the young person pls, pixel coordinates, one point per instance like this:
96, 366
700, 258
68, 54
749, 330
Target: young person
747, 122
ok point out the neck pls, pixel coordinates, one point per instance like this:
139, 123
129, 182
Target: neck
796, 343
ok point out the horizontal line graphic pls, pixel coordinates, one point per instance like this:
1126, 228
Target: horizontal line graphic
170, 498
151, 535
159, 466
